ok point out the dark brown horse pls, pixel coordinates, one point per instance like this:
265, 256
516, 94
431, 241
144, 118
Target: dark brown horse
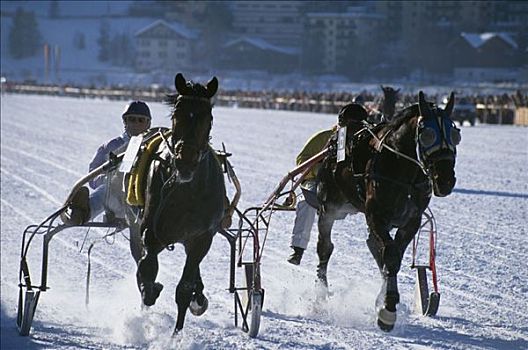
184, 200
389, 173
388, 104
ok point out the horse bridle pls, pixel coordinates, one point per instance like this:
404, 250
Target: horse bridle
172, 148
436, 135
178, 143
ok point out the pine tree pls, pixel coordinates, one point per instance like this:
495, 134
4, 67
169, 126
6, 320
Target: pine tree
54, 10
121, 52
104, 41
79, 41
24, 35
217, 20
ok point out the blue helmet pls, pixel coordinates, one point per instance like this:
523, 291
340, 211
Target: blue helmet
137, 108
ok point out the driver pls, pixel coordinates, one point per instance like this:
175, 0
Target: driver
352, 116
84, 205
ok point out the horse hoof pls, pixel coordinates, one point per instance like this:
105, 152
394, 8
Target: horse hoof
151, 293
176, 333
321, 290
198, 305
386, 319
385, 327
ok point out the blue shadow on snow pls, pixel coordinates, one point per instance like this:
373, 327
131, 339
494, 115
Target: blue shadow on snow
491, 193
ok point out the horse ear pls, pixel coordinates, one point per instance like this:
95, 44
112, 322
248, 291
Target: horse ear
398, 90
382, 87
180, 83
422, 105
450, 104
212, 87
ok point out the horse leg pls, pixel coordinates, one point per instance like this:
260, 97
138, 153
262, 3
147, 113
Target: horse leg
199, 302
136, 246
405, 234
325, 247
147, 272
196, 251
392, 256
136, 249
388, 258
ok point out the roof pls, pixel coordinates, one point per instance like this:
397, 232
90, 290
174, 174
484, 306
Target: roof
263, 45
478, 39
176, 27
346, 15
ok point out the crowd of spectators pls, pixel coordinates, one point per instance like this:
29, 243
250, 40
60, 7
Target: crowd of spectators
332, 102
322, 102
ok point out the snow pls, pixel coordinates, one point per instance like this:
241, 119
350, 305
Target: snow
47, 142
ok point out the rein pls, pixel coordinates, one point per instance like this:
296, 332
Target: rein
382, 144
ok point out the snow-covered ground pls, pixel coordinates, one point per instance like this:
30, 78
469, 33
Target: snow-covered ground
47, 142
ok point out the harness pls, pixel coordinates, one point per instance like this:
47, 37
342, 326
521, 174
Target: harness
137, 179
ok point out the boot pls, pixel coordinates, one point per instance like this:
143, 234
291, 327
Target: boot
296, 256
78, 211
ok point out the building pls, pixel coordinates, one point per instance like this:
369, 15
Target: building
277, 22
485, 57
163, 45
336, 41
253, 53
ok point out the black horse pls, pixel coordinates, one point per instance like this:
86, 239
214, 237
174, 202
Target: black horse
389, 174
388, 104
184, 199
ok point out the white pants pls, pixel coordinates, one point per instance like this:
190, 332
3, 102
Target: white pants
304, 219
97, 201
109, 197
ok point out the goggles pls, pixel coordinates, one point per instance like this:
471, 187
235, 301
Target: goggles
136, 119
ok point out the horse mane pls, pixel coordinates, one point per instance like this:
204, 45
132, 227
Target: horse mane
401, 117
405, 114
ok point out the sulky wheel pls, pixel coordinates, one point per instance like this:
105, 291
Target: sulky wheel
27, 304
256, 301
255, 298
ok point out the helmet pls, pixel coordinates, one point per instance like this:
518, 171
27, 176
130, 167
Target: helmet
359, 99
352, 112
137, 108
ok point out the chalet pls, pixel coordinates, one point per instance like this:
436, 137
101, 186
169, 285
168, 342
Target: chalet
163, 45
255, 53
485, 57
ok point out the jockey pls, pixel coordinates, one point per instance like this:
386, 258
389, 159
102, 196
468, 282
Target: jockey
85, 206
351, 115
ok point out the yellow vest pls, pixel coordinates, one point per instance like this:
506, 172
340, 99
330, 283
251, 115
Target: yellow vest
313, 146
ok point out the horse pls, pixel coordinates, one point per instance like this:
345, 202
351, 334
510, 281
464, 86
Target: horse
388, 104
389, 174
185, 199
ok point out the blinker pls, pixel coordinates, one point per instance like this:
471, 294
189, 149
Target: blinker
427, 137
436, 134
455, 136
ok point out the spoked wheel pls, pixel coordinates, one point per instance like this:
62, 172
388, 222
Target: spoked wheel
255, 304
27, 304
425, 303
255, 299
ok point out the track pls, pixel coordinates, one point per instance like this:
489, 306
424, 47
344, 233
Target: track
481, 244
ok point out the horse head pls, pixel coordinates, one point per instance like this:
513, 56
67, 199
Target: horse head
437, 138
191, 124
